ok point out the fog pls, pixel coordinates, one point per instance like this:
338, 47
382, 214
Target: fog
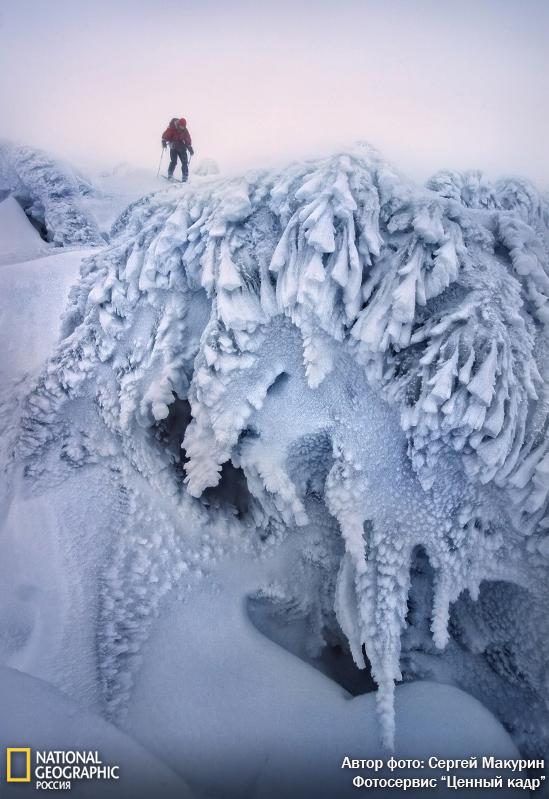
431, 83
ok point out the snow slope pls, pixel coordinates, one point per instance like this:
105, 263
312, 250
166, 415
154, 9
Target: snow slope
35, 714
116, 189
37, 290
19, 241
327, 370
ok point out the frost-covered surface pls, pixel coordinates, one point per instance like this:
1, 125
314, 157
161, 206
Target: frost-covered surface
332, 356
51, 194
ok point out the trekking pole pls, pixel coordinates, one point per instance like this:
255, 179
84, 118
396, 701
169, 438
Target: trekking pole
160, 162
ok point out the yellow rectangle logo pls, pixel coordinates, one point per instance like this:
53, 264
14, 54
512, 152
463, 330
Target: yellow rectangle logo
9, 752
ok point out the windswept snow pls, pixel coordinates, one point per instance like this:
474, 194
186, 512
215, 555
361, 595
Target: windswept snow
330, 361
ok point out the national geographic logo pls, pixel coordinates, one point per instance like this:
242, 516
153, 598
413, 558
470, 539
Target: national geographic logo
18, 764
56, 769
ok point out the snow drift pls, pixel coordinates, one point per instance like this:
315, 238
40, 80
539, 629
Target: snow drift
332, 356
20, 240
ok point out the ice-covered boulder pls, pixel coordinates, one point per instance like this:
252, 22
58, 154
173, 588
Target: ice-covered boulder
368, 358
51, 194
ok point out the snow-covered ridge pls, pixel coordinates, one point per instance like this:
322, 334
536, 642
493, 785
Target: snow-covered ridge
344, 337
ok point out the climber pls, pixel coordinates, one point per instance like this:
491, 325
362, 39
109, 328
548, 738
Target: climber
179, 139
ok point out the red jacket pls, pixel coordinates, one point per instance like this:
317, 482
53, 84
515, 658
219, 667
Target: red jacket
177, 135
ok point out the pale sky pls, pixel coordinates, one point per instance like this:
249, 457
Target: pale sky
431, 83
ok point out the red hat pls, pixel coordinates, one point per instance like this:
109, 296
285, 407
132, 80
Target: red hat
183, 122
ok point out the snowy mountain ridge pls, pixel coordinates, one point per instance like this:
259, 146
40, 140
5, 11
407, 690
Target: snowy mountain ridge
369, 355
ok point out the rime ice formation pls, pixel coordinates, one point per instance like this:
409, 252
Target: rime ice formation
51, 194
367, 357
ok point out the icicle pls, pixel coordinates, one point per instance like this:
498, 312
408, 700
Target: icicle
346, 609
443, 380
404, 297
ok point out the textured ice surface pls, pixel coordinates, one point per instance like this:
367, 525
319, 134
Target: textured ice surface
332, 360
